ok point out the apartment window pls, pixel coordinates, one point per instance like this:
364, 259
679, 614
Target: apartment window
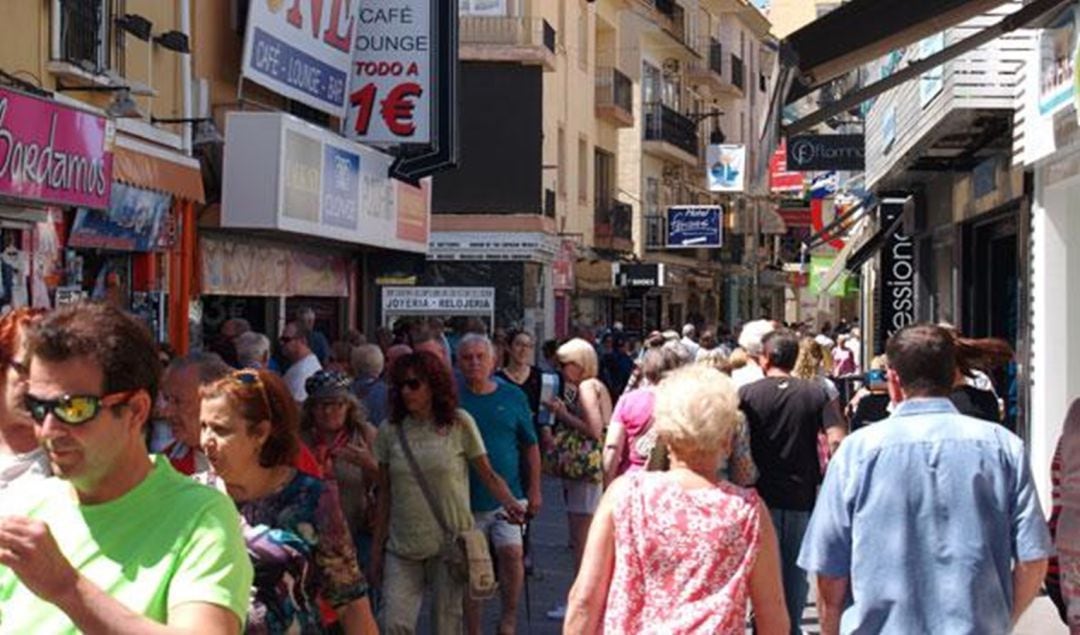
603, 179
672, 86
652, 196
84, 34
561, 160
650, 83
583, 35
583, 170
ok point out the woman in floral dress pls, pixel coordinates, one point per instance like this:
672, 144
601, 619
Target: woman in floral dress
296, 534
682, 551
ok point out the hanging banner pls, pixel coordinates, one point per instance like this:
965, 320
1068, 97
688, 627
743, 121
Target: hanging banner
133, 222
845, 286
301, 50
691, 227
897, 282
781, 178
51, 153
726, 168
1057, 42
390, 87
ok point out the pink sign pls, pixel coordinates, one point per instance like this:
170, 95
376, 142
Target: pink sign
52, 153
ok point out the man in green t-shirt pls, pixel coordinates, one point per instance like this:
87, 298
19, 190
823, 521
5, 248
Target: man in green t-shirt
116, 543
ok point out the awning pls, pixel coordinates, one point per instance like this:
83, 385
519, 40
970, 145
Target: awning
156, 168
858, 237
870, 248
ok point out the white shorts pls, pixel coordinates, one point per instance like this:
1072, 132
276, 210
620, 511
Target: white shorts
500, 531
582, 497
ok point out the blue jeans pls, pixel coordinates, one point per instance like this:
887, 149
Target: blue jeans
790, 527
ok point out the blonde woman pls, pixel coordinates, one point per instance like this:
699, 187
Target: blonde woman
582, 412
653, 562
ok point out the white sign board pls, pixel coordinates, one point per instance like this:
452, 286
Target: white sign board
390, 76
301, 50
726, 168
437, 301
285, 174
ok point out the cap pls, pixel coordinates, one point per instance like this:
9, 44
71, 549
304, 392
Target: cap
327, 384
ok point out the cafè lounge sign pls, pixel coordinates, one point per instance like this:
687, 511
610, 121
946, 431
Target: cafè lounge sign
826, 152
51, 153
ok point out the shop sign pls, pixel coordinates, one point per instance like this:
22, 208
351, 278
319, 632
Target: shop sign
896, 285
820, 266
1057, 46
301, 50
639, 275
726, 168
247, 268
134, 221
809, 153
691, 227
285, 174
390, 77
52, 153
781, 178
448, 301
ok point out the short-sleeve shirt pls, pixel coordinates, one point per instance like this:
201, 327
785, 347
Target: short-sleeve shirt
166, 542
505, 424
785, 415
634, 411
925, 512
443, 456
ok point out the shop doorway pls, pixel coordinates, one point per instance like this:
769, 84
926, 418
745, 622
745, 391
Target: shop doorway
992, 278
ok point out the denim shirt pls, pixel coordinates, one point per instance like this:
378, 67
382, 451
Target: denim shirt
925, 513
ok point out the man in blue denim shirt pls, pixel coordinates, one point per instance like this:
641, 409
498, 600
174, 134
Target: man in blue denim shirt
928, 522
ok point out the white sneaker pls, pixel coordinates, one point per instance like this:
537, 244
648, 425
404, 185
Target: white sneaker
557, 613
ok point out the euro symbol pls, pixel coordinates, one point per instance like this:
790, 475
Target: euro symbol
397, 108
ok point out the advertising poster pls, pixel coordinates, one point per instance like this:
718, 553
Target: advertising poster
691, 227
301, 50
1057, 44
726, 168
133, 221
390, 76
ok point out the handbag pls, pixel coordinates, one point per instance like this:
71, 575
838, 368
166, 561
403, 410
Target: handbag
465, 553
574, 456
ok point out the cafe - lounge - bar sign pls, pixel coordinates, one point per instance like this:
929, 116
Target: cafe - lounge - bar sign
50, 153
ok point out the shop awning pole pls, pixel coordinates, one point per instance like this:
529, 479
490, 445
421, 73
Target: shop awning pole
1007, 24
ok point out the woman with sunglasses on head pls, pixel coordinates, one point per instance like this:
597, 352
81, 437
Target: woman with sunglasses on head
334, 426
296, 534
21, 456
407, 555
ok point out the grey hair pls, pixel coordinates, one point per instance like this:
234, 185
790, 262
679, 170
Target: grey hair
689, 330
251, 348
476, 338
680, 351
750, 339
210, 366
368, 361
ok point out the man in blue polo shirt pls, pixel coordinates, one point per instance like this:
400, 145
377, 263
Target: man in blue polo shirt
930, 517
505, 421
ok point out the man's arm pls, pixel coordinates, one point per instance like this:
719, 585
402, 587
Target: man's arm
831, 593
531, 454
1027, 579
835, 424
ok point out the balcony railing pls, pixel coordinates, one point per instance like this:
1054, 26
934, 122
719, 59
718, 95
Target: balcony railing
506, 31
614, 222
83, 31
737, 72
668, 125
613, 88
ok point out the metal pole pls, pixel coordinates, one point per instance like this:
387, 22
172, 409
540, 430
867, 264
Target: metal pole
756, 280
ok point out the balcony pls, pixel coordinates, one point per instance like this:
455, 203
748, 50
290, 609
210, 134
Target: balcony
614, 227
709, 69
670, 135
614, 97
525, 40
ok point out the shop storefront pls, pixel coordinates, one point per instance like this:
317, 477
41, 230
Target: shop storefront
302, 210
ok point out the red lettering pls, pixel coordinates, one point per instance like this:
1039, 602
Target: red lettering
414, 69
364, 99
333, 35
397, 108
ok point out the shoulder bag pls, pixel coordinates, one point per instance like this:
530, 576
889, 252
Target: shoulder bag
465, 553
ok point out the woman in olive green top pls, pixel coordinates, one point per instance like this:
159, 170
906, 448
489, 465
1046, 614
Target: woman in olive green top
407, 538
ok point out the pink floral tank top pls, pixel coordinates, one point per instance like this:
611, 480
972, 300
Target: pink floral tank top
682, 557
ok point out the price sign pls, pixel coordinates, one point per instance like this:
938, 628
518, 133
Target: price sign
390, 77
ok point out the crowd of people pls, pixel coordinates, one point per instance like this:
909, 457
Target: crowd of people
329, 486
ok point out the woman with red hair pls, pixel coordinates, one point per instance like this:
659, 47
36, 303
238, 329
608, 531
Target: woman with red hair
408, 540
21, 457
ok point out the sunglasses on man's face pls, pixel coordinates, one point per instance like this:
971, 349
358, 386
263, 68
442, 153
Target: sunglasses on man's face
73, 410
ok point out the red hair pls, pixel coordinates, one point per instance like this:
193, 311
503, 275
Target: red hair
430, 369
266, 400
13, 323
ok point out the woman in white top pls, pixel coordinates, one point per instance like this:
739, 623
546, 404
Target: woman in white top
21, 458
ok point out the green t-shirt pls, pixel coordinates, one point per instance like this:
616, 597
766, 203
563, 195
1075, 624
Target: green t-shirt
167, 542
444, 460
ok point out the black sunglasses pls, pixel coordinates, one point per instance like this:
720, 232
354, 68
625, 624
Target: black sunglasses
73, 410
411, 384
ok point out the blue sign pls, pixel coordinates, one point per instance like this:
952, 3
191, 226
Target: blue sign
692, 227
133, 221
294, 69
340, 187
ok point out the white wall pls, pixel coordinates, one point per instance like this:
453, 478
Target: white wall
1055, 302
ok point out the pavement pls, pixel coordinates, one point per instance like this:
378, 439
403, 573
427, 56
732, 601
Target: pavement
553, 569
